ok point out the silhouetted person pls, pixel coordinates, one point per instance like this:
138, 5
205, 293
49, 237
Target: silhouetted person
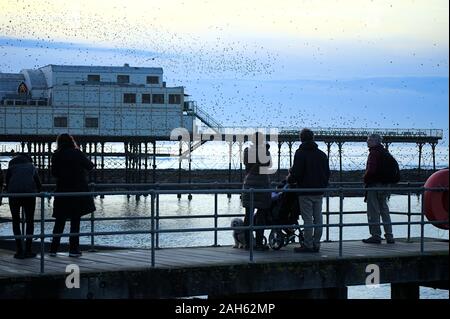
22, 177
310, 170
70, 167
256, 160
377, 200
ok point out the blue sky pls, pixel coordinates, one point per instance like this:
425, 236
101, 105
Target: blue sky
299, 63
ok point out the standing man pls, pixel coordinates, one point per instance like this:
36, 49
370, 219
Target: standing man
310, 170
377, 176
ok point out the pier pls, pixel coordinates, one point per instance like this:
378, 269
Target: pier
225, 272
221, 271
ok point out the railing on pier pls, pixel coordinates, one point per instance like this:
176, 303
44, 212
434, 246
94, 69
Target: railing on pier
338, 132
155, 190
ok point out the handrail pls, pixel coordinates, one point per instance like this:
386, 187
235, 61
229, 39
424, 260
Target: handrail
155, 230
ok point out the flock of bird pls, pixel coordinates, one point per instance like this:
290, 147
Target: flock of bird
231, 77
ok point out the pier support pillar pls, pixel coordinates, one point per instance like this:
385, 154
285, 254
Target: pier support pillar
102, 164
340, 159
240, 162
95, 161
386, 145
49, 161
189, 167
279, 160
420, 145
139, 164
433, 154
154, 163
180, 151
145, 161
405, 291
290, 153
230, 154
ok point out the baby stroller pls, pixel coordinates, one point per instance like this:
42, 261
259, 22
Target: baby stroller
284, 210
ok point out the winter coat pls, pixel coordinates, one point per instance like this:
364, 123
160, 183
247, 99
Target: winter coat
310, 168
22, 176
70, 167
254, 179
374, 164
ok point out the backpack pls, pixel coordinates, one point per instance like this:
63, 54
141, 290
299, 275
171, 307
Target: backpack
22, 178
390, 171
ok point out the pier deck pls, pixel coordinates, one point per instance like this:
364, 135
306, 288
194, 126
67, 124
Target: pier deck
127, 273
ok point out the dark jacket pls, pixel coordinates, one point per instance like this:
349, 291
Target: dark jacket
254, 179
311, 168
22, 176
70, 167
374, 164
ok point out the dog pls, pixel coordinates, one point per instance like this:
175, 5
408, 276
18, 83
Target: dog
239, 234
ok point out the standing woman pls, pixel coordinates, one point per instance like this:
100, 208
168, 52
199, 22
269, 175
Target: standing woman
256, 160
70, 167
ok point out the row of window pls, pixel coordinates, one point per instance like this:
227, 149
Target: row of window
122, 78
89, 122
151, 98
23, 102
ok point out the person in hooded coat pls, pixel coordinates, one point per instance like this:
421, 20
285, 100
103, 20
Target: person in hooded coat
70, 167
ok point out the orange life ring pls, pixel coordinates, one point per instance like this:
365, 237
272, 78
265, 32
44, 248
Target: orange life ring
436, 203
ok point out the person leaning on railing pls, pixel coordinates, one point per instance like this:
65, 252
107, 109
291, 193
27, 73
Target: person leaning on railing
70, 167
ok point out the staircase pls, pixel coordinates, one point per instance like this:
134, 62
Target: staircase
191, 108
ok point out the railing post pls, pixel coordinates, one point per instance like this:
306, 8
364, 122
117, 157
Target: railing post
409, 213
250, 238
92, 249
215, 220
42, 235
341, 218
327, 215
422, 221
152, 229
157, 221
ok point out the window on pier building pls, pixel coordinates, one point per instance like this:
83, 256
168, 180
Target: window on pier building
123, 79
93, 78
152, 79
60, 121
91, 122
174, 98
129, 98
158, 98
146, 98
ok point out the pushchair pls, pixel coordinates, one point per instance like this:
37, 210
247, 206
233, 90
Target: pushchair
284, 210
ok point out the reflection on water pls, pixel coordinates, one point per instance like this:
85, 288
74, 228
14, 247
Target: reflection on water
169, 205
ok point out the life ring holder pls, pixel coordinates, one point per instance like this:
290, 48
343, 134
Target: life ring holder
436, 203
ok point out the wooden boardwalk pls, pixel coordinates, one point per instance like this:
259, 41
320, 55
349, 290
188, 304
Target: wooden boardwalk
187, 266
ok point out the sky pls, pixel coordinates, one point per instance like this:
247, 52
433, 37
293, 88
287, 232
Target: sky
368, 63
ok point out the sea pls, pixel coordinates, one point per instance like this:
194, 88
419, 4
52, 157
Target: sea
354, 155
201, 204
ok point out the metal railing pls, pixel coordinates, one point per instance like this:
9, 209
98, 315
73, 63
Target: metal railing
336, 131
155, 217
